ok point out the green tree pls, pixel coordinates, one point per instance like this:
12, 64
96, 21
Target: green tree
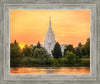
27, 51
42, 55
34, 47
69, 48
38, 45
79, 45
71, 58
15, 54
87, 46
78, 52
15, 50
85, 49
56, 52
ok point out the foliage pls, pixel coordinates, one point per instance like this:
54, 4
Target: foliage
54, 61
87, 46
37, 55
34, 61
85, 49
78, 52
27, 61
15, 50
42, 55
79, 45
27, 51
56, 52
34, 47
71, 57
38, 45
69, 48
85, 61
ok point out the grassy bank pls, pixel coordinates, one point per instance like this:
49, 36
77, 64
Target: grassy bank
34, 62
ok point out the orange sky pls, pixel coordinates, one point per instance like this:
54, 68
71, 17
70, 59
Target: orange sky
30, 26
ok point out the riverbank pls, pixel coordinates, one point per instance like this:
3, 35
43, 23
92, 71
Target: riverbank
31, 62
50, 65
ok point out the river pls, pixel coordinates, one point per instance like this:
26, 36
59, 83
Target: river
50, 70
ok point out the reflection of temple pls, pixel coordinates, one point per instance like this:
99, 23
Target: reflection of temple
50, 41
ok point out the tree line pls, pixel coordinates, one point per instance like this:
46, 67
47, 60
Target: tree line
36, 55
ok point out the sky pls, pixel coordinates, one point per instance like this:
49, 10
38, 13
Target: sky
30, 26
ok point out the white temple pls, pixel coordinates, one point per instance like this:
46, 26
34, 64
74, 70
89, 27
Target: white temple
50, 41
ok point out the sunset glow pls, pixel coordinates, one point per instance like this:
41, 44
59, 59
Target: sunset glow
30, 26
21, 45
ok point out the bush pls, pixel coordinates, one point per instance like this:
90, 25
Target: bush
64, 61
54, 61
42, 56
85, 61
71, 58
34, 60
27, 61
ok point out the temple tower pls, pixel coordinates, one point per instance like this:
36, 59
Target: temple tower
49, 39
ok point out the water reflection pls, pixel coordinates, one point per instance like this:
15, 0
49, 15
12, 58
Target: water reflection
50, 70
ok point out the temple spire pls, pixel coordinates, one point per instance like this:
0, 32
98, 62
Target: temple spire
49, 21
49, 18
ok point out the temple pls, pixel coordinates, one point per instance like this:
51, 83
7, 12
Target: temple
49, 41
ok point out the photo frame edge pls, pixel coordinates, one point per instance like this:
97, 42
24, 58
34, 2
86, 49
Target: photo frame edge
1, 46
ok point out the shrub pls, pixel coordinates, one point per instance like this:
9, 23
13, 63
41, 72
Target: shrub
71, 58
42, 56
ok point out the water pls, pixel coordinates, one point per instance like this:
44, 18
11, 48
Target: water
50, 70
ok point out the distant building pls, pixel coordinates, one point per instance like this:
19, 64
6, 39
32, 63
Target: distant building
50, 41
